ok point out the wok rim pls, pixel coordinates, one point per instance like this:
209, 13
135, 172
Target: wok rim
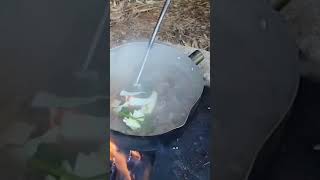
189, 109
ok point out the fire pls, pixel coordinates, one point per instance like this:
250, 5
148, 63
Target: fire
125, 163
120, 160
136, 155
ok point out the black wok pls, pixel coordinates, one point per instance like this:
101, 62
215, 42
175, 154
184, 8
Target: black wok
174, 76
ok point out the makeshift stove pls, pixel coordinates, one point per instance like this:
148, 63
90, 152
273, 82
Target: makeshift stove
185, 157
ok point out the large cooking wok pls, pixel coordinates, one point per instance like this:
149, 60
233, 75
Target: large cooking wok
173, 75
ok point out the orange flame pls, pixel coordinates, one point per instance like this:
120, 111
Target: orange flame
120, 160
136, 155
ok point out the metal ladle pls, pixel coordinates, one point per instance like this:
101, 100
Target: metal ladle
151, 42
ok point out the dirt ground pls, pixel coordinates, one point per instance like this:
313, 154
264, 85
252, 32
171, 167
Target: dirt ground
187, 22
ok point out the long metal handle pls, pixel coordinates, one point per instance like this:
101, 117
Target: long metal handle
156, 29
152, 39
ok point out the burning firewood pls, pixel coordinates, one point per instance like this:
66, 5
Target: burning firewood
128, 167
